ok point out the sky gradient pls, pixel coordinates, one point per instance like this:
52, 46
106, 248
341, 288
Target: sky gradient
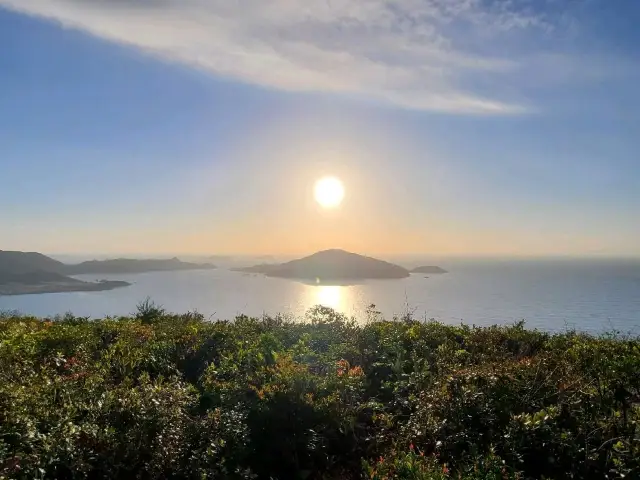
459, 127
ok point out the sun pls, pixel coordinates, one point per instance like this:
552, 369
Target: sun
329, 192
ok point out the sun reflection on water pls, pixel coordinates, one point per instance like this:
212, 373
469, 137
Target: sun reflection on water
330, 296
345, 299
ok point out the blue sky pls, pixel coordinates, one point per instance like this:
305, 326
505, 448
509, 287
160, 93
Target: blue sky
458, 127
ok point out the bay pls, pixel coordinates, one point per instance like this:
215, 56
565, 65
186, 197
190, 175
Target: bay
592, 296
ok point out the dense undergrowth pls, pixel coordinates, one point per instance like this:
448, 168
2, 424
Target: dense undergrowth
175, 396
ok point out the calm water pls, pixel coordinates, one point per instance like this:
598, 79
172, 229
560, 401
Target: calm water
592, 296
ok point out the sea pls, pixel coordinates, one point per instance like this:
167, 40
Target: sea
553, 295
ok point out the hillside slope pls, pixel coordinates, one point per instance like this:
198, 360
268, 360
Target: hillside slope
331, 265
12, 262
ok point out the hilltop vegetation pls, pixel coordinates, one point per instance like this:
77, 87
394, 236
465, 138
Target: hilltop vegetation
175, 396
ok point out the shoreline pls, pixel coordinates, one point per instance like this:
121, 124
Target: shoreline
16, 290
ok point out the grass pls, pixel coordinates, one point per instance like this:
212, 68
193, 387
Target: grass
157, 395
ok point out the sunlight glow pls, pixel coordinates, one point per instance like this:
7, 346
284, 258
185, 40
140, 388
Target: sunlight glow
329, 296
329, 192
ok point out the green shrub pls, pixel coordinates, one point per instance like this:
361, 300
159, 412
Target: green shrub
174, 396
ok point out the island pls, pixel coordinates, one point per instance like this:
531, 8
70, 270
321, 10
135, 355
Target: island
49, 282
330, 266
23, 273
429, 269
130, 265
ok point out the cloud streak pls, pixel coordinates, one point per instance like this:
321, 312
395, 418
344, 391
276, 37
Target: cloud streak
416, 54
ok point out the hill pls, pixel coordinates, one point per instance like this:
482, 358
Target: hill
129, 265
330, 265
12, 262
27, 262
29, 272
429, 269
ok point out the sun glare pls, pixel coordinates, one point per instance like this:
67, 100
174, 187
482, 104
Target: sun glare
329, 192
329, 296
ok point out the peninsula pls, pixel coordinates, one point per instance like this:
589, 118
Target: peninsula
49, 282
23, 273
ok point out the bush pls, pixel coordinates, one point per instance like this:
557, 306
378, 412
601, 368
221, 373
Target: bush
174, 396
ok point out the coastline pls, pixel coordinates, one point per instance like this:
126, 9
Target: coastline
15, 289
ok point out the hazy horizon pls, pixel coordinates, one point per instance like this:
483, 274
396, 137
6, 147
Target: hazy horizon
383, 255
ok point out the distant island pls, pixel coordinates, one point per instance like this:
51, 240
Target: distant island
429, 269
23, 273
331, 265
128, 265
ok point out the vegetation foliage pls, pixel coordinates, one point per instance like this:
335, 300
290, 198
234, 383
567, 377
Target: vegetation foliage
157, 395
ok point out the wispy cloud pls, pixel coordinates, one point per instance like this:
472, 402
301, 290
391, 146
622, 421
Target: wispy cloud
418, 54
